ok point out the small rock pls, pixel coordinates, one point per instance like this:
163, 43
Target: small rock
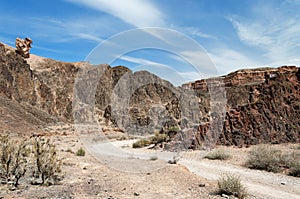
136, 194
201, 185
190, 188
84, 168
283, 183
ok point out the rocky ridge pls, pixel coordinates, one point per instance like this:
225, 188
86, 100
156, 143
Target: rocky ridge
262, 104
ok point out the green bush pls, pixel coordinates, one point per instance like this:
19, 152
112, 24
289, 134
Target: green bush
80, 152
158, 138
231, 185
218, 154
266, 158
141, 143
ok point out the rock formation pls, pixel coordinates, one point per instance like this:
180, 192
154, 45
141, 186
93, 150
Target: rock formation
262, 104
23, 46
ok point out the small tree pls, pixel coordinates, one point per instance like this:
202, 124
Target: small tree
6, 156
19, 165
13, 158
46, 159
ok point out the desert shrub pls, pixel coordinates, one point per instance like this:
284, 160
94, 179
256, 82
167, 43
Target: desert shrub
173, 128
46, 160
153, 158
231, 185
265, 158
218, 154
80, 152
141, 143
13, 157
158, 138
295, 170
19, 161
69, 150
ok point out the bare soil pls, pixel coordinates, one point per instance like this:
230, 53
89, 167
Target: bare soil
193, 176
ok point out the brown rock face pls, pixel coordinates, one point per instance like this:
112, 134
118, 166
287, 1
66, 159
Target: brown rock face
262, 104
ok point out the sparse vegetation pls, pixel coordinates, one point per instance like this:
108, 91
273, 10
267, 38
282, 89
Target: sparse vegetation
153, 158
80, 152
267, 158
13, 157
18, 156
47, 162
69, 150
295, 170
141, 143
231, 185
218, 154
156, 139
263, 157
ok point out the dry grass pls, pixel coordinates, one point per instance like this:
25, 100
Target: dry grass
218, 154
268, 158
231, 185
156, 139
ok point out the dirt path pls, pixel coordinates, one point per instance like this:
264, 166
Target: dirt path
259, 184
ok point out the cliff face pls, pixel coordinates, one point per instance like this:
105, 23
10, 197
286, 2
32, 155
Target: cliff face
44, 84
263, 105
41, 91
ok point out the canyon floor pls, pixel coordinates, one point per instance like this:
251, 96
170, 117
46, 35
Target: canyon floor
130, 175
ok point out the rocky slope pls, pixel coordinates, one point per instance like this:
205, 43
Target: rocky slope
262, 104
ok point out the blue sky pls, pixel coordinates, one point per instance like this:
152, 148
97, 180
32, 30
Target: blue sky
234, 34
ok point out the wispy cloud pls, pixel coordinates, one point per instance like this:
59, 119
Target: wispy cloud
196, 32
277, 34
163, 71
226, 60
139, 61
135, 12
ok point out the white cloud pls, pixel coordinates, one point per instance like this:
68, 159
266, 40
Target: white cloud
196, 32
135, 12
164, 71
139, 61
277, 34
88, 37
227, 60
